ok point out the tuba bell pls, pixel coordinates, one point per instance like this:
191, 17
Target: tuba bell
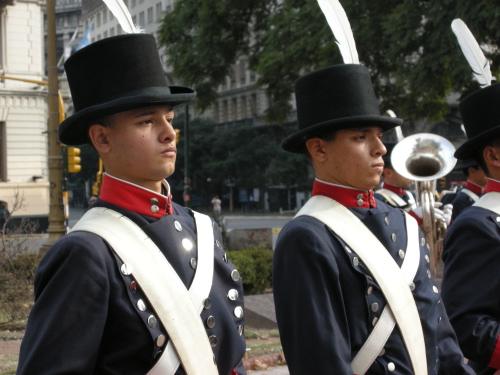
424, 158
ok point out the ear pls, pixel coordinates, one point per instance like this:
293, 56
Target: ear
316, 148
98, 135
491, 156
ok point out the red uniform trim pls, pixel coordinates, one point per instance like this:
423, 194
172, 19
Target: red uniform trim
346, 196
495, 358
135, 198
473, 187
394, 189
492, 186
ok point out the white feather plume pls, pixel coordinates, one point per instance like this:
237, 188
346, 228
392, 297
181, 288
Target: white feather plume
472, 52
339, 23
122, 14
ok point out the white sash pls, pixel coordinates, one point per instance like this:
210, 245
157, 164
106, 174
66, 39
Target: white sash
490, 201
382, 267
396, 201
188, 342
471, 194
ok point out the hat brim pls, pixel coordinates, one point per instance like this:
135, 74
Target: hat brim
471, 147
74, 129
296, 142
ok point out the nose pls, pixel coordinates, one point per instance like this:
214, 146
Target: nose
379, 148
168, 134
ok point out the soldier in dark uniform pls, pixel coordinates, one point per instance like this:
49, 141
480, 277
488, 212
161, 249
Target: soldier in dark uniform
91, 315
471, 251
476, 181
328, 299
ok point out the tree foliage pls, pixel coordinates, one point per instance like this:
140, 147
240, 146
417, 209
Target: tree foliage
251, 157
408, 45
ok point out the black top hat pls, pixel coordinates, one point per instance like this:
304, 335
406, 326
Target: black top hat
334, 98
467, 163
114, 75
481, 117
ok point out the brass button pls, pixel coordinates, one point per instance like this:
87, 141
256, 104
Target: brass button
133, 286
355, 261
193, 263
177, 226
126, 269
210, 322
160, 341
235, 275
374, 307
401, 254
141, 305
232, 294
155, 209
154, 201
207, 303
152, 321
238, 312
213, 341
187, 244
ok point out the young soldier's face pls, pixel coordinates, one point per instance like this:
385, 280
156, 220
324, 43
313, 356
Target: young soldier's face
141, 146
353, 158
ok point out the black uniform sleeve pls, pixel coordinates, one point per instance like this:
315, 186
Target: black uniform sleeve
309, 302
470, 284
71, 289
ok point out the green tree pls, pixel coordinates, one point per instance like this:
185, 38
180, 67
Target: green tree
252, 157
408, 46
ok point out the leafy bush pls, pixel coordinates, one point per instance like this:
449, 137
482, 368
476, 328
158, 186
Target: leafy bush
255, 267
17, 270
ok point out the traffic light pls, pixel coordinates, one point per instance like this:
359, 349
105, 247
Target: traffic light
73, 160
442, 183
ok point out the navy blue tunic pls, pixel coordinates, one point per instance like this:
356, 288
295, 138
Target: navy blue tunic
471, 285
86, 321
327, 303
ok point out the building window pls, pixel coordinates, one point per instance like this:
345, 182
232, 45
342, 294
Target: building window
98, 20
243, 72
253, 105
224, 111
105, 34
243, 107
234, 109
158, 11
104, 16
134, 2
141, 19
112, 32
150, 15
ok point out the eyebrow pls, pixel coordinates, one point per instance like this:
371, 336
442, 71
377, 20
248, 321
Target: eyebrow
154, 111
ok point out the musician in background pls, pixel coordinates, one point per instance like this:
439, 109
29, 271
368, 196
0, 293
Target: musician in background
476, 181
471, 254
394, 192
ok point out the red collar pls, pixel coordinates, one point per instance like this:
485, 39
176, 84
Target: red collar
473, 187
492, 186
135, 198
346, 196
394, 189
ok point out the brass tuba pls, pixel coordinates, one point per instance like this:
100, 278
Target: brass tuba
424, 158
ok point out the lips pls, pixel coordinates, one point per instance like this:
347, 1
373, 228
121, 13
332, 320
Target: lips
169, 151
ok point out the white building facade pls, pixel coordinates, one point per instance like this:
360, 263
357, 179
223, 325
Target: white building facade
23, 109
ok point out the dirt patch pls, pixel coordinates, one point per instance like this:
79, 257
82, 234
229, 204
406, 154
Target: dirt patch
10, 347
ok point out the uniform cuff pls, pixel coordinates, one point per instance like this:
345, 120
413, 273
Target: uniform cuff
415, 216
495, 358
